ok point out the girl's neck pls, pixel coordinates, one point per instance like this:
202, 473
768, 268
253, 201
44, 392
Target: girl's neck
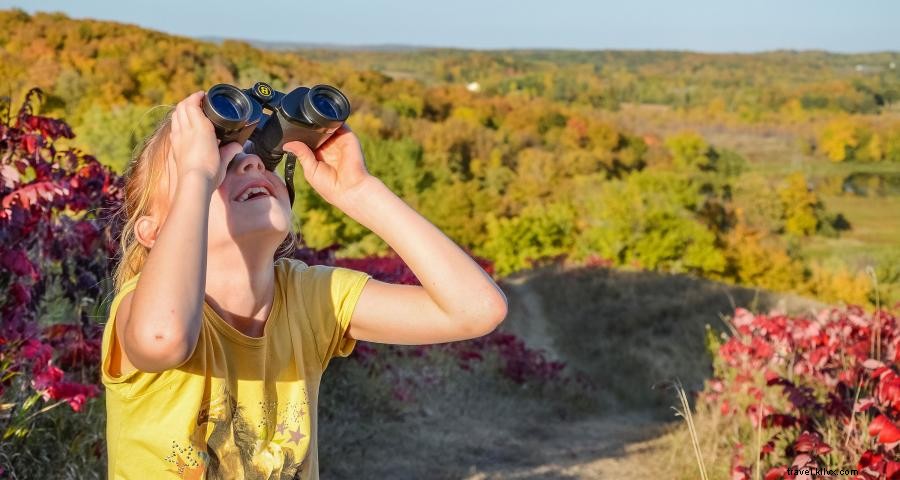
241, 289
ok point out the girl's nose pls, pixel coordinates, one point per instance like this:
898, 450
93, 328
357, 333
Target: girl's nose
249, 162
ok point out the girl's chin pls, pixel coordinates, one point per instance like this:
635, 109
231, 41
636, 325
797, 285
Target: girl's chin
257, 227
255, 239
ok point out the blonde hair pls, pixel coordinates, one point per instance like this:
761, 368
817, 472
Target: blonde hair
143, 179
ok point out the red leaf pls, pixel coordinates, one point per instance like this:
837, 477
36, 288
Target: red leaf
779, 420
29, 194
872, 364
20, 293
811, 443
888, 391
41, 352
47, 378
892, 470
32, 143
73, 393
887, 431
775, 473
740, 472
864, 404
18, 263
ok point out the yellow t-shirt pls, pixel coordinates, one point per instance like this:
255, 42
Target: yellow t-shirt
240, 407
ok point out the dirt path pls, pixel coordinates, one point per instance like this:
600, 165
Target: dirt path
610, 447
598, 447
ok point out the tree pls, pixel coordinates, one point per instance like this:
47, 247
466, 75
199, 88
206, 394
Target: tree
840, 138
648, 219
689, 151
537, 232
802, 207
756, 257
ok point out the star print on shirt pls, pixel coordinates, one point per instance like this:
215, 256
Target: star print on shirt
296, 436
281, 428
187, 471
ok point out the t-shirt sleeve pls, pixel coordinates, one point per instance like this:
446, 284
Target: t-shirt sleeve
109, 340
135, 382
330, 295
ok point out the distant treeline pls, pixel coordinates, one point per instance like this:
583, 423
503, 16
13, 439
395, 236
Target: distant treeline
747, 83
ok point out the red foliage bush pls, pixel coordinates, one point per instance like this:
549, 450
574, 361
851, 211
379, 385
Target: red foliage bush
832, 374
51, 230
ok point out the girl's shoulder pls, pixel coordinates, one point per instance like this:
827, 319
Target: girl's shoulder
287, 263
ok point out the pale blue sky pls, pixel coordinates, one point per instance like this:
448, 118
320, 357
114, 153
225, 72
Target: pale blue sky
701, 25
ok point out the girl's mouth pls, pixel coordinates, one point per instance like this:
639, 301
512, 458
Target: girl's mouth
253, 193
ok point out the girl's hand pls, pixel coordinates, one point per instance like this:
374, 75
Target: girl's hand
194, 143
335, 168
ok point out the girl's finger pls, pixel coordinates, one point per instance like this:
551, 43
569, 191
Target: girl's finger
183, 121
185, 113
171, 160
193, 106
340, 132
176, 124
184, 110
335, 137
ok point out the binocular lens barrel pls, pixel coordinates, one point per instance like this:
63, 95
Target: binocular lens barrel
227, 107
326, 105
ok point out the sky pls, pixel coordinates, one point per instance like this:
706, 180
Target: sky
698, 25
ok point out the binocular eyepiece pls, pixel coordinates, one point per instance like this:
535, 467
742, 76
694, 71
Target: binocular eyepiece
310, 115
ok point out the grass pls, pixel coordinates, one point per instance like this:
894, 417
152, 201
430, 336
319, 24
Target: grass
62, 445
875, 220
650, 326
685, 413
874, 235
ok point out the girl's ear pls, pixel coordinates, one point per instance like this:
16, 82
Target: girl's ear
146, 229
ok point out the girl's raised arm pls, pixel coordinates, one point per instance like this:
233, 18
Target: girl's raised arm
161, 325
457, 299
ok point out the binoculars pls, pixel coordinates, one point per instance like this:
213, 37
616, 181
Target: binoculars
310, 115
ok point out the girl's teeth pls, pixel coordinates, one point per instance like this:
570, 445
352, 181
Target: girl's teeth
251, 191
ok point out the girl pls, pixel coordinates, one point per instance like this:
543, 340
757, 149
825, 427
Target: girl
213, 352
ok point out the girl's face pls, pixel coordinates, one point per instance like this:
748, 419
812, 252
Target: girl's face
256, 222
261, 220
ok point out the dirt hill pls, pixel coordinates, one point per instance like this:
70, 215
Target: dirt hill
626, 331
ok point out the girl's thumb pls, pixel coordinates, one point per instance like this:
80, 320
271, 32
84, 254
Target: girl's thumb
304, 154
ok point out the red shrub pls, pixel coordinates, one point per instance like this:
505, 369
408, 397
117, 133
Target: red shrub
52, 203
836, 371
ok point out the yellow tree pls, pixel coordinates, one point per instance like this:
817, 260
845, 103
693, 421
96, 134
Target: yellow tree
840, 138
800, 205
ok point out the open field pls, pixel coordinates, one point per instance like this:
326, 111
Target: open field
874, 236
